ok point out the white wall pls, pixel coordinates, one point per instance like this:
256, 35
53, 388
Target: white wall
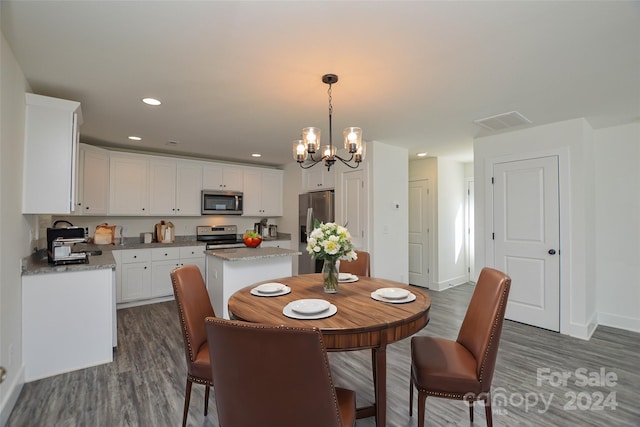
451, 236
572, 142
617, 231
389, 177
289, 221
447, 178
14, 227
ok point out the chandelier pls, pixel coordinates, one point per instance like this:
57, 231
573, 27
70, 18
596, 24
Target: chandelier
305, 148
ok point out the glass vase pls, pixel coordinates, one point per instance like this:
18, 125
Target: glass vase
330, 276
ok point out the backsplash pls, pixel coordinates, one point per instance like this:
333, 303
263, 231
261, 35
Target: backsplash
184, 226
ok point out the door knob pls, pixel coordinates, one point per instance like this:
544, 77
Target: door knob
552, 251
3, 374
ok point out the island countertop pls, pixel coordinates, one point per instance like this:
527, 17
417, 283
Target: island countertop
242, 254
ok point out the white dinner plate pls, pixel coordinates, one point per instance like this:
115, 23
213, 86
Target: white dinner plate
309, 306
287, 311
270, 288
409, 298
347, 278
393, 293
285, 290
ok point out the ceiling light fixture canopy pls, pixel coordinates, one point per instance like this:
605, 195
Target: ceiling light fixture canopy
305, 148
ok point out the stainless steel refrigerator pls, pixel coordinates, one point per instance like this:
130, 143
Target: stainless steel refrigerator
317, 205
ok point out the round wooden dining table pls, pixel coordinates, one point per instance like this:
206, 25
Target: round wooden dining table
360, 322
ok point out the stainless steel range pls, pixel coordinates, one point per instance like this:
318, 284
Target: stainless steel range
219, 237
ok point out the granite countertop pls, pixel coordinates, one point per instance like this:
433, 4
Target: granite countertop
243, 254
37, 264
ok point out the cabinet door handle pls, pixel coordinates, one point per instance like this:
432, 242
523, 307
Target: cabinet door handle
145, 267
135, 256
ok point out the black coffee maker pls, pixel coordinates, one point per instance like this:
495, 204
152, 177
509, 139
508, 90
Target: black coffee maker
59, 243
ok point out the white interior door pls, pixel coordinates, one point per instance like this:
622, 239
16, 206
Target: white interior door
419, 227
354, 207
526, 238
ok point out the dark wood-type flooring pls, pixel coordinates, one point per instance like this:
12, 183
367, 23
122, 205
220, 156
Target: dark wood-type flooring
144, 386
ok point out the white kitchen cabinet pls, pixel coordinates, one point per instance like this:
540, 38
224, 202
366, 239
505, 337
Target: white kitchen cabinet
50, 155
193, 255
135, 275
222, 177
163, 260
188, 188
263, 192
142, 275
162, 187
93, 181
318, 178
128, 189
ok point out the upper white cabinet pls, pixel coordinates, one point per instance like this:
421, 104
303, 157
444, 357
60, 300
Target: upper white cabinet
174, 187
263, 190
93, 181
222, 177
50, 155
128, 189
318, 178
162, 187
188, 186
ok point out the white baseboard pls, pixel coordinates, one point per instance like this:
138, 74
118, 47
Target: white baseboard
620, 322
11, 396
582, 331
449, 283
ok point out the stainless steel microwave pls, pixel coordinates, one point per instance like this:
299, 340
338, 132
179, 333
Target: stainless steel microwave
221, 202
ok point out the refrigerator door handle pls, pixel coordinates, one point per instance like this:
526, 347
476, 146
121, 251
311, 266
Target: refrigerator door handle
309, 220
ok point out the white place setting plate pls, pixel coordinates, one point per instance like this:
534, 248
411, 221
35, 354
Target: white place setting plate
393, 293
407, 298
309, 309
272, 289
347, 278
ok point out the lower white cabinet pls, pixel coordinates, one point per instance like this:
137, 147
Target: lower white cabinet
143, 275
135, 275
163, 260
193, 255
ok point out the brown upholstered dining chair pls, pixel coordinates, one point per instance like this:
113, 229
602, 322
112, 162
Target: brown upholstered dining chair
463, 369
359, 267
193, 307
274, 376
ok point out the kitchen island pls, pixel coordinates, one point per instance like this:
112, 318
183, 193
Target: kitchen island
229, 270
68, 315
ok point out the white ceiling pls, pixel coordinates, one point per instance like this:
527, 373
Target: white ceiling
240, 77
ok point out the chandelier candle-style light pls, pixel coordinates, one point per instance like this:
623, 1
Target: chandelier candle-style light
305, 148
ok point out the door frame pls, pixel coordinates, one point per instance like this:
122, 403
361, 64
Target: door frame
564, 204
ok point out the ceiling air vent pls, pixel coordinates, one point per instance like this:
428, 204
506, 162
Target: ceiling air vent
503, 121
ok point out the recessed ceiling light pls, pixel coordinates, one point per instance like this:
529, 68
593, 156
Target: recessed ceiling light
423, 154
135, 138
256, 155
151, 101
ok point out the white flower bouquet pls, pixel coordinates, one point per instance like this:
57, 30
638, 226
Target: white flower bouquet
330, 241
